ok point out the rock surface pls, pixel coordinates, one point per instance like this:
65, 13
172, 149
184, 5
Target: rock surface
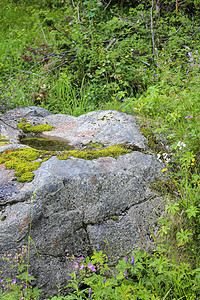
75, 204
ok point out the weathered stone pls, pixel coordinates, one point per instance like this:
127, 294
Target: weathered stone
9, 120
75, 204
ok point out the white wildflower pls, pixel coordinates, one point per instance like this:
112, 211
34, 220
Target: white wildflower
181, 145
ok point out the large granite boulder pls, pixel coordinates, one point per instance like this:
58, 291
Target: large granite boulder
75, 204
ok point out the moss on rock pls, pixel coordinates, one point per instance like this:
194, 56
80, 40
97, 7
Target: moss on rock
28, 127
26, 177
23, 161
46, 144
111, 151
3, 140
92, 146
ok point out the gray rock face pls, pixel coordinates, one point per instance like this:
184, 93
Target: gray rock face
75, 204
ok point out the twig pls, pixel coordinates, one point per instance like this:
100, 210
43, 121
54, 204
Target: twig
110, 44
107, 5
81, 90
152, 33
54, 68
26, 72
73, 4
106, 41
175, 32
43, 34
144, 62
77, 10
78, 15
41, 73
156, 50
65, 35
102, 33
42, 59
193, 34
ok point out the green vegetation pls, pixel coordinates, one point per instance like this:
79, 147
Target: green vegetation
24, 160
45, 144
3, 140
21, 161
112, 151
28, 127
139, 57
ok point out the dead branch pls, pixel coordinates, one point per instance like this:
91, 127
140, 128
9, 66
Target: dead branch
144, 62
107, 4
175, 32
43, 34
54, 68
28, 72
152, 33
193, 34
110, 44
65, 35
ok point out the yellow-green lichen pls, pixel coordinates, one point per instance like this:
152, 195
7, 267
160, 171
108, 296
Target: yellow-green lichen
23, 161
112, 151
28, 127
3, 140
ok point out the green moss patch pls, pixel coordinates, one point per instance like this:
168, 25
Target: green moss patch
23, 161
3, 140
92, 146
28, 127
112, 151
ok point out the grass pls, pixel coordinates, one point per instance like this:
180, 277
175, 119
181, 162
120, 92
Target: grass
163, 95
